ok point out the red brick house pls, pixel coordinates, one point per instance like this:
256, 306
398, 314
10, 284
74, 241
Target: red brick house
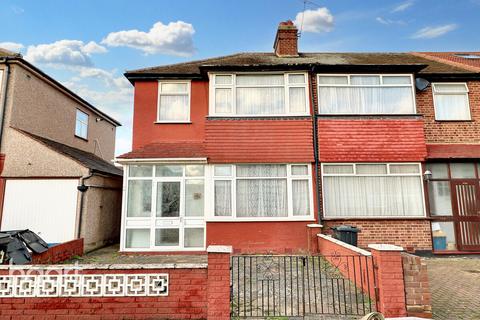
256, 150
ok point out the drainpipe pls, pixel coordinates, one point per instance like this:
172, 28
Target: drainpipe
4, 107
82, 188
315, 149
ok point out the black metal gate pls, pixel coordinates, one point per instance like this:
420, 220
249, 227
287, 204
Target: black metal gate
299, 286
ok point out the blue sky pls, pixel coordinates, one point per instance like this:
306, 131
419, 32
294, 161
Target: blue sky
87, 45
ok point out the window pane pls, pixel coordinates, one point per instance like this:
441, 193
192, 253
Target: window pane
300, 198
371, 169
365, 80
137, 238
443, 236
140, 170
451, 107
297, 100
404, 168
139, 198
168, 199
223, 198
333, 80
439, 198
397, 80
462, 170
299, 170
438, 170
262, 198
335, 168
254, 101
173, 108
194, 198
168, 171
259, 170
82, 116
174, 87
267, 79
223, 170
167, 237
296, 78
223, 79
223, 100
194, 170
450, 87
194, 237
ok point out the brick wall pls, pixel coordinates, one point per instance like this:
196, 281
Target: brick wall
417, 289
451, 131
59, 252
410, 234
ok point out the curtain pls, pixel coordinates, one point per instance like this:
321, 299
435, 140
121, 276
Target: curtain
262, 198
451, 107
301, 204
223, 100
223, 197
173, 107
297, 99
373, 196
194, 198
139, 198
260, 170
137, 238
261, 100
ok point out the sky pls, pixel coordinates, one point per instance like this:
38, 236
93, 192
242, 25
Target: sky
87, 45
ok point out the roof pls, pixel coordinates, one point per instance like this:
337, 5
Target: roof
265, 59
455, 58
7, 55
453, 151
87, 159
180, 149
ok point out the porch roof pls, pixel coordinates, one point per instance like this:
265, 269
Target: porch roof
168, 150
453, 151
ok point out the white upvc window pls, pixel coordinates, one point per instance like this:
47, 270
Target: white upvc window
360, 94
372, 190
451, 101
81, 124
261, 192
258, 94
173, 101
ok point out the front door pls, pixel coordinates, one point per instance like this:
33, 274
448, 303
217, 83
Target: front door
466, 212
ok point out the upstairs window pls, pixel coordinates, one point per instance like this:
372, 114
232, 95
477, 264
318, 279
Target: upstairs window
258, 94
173, 101
451, 101
81, 124
366, 94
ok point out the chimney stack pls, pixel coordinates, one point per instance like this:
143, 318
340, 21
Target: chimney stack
286, 40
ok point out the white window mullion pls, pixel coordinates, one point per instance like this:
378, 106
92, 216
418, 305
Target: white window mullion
234, 191
289, 192
153, 218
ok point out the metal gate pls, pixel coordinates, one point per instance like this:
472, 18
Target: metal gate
299, 286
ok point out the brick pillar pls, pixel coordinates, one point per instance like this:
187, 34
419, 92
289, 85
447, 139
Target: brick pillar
389, 275
218, 285
312, 230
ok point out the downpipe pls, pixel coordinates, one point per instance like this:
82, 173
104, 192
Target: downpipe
82, 188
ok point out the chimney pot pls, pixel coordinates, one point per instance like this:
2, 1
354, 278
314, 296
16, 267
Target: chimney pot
286, 40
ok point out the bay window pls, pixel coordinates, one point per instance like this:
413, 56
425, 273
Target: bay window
173, 101
451, 101
378, 190
366, 94
258, 94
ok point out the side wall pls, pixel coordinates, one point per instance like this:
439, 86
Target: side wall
417, 288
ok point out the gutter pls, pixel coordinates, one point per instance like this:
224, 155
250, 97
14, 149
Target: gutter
315, 148
82, 188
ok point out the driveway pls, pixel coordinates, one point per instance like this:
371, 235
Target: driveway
455, 287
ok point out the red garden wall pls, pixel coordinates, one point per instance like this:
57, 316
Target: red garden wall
417, 289
60, 252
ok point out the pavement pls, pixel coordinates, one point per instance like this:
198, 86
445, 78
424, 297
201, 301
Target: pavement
455, 286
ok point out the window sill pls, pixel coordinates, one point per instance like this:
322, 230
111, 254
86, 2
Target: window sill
172, 122
81, 138
376, 218
371, 116
261, 219
447, 121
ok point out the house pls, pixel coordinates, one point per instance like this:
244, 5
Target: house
260, 150
57, 176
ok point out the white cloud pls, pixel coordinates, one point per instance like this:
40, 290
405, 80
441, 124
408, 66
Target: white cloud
387, 21
64, 53
12, 46
319, 20
176, 38
403, 6
434, 32
17, 9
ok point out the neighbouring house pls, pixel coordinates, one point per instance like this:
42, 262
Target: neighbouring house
259, 150
57, 175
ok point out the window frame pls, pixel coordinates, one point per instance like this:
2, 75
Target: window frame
188, 94
77, 121
435, 93
210, 213
286, 85
354, 174
348, 85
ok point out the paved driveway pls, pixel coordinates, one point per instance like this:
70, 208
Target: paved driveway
455, 287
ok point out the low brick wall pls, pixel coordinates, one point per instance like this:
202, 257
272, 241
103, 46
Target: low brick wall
60, 252
417, 289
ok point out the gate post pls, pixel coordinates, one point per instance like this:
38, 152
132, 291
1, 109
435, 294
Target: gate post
218, 282
389, 273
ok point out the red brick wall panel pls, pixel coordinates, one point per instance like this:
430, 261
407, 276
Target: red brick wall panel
259, 141
371, 140
59, 252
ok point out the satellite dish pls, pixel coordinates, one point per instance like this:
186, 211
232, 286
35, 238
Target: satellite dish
421, 84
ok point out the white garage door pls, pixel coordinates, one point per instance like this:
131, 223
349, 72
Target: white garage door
47, 207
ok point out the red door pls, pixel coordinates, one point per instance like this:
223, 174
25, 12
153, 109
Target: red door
466, 200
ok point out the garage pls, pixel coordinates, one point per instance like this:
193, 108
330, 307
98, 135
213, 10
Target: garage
45, 206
